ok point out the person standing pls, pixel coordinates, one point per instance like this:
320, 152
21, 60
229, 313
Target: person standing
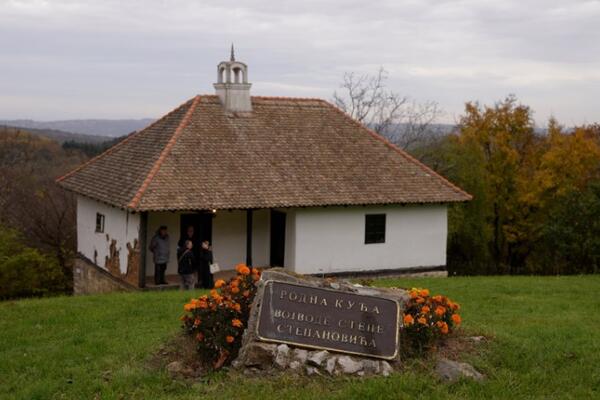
204, 262
160, 248
190, 234
186, 265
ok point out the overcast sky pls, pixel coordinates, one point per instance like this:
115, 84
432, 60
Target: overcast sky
62, 59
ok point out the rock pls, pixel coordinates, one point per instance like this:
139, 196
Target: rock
310, 371
348, 365
330, 364
175, 367
317, 358
259, 354
300, 355
294, 365
452, 371
371, 366
477, 339
282, 356
386, 368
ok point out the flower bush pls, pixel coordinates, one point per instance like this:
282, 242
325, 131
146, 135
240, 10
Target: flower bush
427, 319
217, 320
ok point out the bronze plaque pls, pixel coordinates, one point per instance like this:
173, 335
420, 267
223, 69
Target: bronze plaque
329, 319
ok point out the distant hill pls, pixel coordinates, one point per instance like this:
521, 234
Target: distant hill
99, 127
61, 136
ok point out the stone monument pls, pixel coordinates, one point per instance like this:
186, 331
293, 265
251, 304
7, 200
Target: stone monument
321, 326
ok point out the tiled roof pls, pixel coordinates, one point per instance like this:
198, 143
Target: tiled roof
287, 152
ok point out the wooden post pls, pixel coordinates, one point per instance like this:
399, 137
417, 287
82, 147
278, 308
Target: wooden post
143, 239
249, 237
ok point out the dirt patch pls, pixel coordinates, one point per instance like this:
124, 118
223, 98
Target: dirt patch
460, 344
179, 357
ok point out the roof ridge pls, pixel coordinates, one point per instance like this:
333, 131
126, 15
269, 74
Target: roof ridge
116, 146
288, 98
158, 163
400, 151
274, 98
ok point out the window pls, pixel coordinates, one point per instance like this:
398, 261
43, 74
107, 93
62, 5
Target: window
374, 228
99, 223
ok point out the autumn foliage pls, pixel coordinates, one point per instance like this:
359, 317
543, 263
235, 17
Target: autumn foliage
216, 321
527, 185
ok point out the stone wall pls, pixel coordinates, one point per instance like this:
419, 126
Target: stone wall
89, 279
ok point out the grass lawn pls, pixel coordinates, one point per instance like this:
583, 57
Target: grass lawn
546, 345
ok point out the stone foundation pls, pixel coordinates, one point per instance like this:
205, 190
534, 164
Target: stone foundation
89, 279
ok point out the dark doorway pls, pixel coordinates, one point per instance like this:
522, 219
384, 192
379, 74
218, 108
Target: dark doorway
202, 223
277, 238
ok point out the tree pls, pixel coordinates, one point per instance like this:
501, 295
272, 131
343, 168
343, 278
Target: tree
403, 121
503, 137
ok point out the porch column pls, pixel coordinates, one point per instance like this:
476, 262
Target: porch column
249, 237
143, 243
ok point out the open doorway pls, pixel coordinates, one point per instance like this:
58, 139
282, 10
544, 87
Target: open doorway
277, 238
202, 223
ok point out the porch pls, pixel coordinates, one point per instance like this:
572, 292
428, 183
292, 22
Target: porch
254, 237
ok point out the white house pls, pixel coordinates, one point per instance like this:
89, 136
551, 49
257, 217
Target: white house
270, 181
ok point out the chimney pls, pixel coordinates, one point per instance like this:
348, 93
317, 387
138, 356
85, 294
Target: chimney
232, 85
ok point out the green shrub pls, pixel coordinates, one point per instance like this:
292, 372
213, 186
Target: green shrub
26, 272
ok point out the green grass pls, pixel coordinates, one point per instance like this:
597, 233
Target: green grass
546, 345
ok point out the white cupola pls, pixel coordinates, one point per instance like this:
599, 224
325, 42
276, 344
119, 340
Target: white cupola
232, 85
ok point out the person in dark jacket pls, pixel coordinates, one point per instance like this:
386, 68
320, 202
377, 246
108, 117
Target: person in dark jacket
186, 265
190, 234
206, 259
160, 248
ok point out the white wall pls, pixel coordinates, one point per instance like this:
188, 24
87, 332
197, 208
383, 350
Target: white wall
289, 257
261, 238
118, 224
229, 238
331, 239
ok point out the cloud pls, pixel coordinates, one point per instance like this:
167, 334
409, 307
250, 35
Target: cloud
141, 58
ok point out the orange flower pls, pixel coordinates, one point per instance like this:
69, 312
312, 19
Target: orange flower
439, 311
202, 304
244, 270
444, 328
234, 283
235, 290
229, 339
239, 267
408, 320
214, 294
200, 337
197, 322
255, 277
413, 293
255, 271
425, 309
237, 307
189, 307
420, 300
438, 298
237, 323
219, 283
422, 321
246, 293
424, 292
456, 319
